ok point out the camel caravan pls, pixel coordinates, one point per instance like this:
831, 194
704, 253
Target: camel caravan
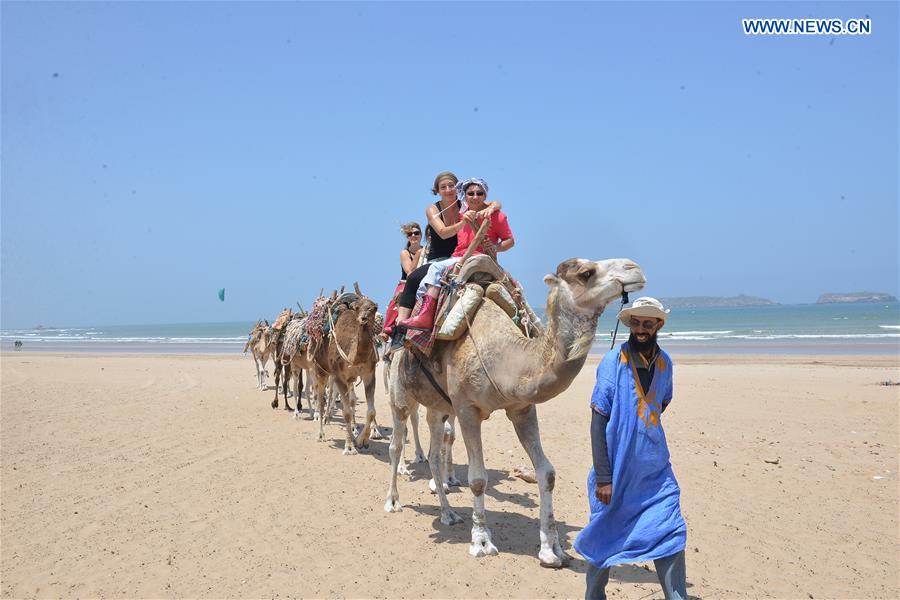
471, 345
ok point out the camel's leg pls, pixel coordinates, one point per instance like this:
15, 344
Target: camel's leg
447, 458
376, 434
449, 439
349, 416
436, 428
258, 371
298, 391
526, 425
414, 418
277, 379
396, 452
329, 405
311, 392
320, 405
363, 440
286, 384
470, 422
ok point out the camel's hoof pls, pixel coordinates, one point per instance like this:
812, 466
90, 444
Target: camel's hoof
274, 403
376, 435
453, 481
451, 518
393, 505
420, 458
484, 548
433, 487
350, 451
403, 470
549, 559
321, 438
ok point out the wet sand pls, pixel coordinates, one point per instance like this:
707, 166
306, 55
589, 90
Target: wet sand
170, 476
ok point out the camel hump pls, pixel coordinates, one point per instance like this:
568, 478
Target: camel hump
346, 298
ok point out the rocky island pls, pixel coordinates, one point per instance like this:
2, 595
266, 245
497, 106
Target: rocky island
855, 297
716, 301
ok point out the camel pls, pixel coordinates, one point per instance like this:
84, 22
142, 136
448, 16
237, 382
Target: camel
348, 353
493, 366
294, 359
261, 349
279, 338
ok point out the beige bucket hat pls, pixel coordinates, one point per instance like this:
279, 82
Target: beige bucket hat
644, 307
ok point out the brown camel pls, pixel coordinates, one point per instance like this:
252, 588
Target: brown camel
294, 359
261, 349
493, 366
347, 353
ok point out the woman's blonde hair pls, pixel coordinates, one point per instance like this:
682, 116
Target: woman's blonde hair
440, 176
406, 228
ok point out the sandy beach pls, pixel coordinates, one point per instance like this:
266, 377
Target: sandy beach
157, 476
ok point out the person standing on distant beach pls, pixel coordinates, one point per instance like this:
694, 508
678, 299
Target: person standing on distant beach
634, 498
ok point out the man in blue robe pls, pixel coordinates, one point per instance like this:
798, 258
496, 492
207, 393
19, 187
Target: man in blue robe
635, 504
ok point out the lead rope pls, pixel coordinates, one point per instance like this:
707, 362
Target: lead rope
334, 338
616, 330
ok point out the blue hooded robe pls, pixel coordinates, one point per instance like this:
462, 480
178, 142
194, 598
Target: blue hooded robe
643, 519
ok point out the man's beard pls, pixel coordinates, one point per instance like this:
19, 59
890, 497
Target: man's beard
643, 348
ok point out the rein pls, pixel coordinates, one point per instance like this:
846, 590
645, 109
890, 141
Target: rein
616, 330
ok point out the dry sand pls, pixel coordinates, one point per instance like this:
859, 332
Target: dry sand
149, 476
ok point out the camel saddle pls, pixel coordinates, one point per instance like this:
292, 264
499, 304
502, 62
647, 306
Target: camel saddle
282, 319
480, 271
480, 268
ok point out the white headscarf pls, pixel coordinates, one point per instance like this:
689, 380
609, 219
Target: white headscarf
461, 190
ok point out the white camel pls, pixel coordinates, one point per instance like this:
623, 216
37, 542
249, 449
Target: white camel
493, 366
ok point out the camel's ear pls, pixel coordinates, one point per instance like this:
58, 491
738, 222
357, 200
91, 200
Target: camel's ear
356, 288
551, 279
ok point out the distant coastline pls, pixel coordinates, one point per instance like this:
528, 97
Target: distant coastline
716, 301
855, 297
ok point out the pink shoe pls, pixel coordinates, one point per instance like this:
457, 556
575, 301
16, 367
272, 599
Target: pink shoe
425, 319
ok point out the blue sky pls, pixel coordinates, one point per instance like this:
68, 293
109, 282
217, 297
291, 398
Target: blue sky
155, 152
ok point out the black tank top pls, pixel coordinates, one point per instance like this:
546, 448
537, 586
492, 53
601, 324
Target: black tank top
402, 272
438, 247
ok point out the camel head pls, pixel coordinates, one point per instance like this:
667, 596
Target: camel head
588, 286
365, 311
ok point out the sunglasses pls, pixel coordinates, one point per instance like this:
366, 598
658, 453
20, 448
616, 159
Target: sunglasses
638, 324
412, 233
474, 193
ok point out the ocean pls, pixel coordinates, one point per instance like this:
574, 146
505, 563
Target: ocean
788, 329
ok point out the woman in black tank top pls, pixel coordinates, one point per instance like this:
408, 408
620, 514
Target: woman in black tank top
409, 260
409, 256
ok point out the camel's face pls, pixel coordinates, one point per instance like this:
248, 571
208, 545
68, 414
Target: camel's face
365, 311
592, 285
